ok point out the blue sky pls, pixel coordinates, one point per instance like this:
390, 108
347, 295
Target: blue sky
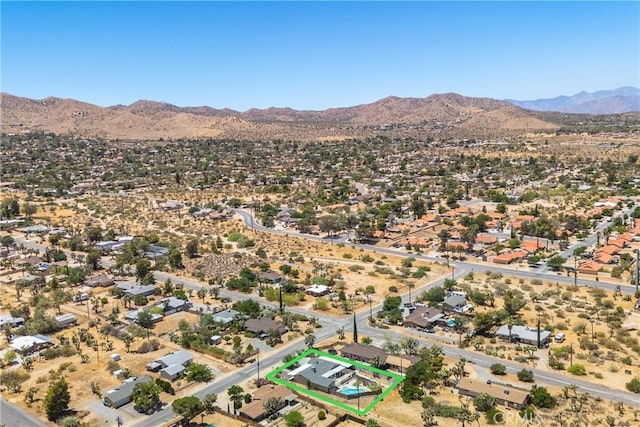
315, 55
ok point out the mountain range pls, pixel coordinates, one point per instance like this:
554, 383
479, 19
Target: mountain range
447, 114
621, 100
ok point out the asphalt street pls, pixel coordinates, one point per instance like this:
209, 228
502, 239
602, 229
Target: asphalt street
14, 416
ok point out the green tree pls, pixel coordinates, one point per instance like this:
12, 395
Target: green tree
513, 302
187, 407
143, 266
294, 419
56, 401
498, 369
94, 234
525, 375
93, 259
555, 263
175, 259
145, 319
198, 372
541, 398
146, 396
483, 402
634, 385
310, 340
192, 248
209, 403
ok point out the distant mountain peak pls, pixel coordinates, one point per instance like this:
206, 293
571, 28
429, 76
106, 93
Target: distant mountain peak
622, 100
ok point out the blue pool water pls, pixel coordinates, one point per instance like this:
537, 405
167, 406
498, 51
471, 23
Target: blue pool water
350, 391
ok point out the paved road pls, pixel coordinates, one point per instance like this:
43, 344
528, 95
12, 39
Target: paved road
12, 416
331, 323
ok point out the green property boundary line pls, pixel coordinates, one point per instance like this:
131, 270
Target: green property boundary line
273, 376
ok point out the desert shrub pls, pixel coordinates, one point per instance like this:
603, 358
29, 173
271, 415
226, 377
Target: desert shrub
322, 415
148, 346
577, 369
525, 375
498, 369
634, 385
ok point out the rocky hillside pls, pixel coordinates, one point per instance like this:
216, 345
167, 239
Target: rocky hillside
449, 114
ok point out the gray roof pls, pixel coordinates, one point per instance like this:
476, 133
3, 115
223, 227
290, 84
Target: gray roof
317, 368
225, 316
179, 357
65, 317
134, 290
523, 333
9, 319
455, 300
173, 369
125, 390
172, 302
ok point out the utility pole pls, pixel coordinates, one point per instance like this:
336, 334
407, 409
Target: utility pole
538, 330
637, 251
571, 355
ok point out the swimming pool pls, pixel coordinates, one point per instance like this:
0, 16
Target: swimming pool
350, 391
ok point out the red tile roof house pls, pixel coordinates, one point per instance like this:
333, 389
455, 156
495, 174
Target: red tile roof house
532, 246
609, 249
484, 239
508, 258
620, 243
589, 267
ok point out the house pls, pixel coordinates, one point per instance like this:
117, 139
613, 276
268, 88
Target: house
321, 373
318, 290
122, 394
135, 290
225, 317
486, 240
423, 318
263, 325
172, 372
255, 410
532, 246
106, 245
171, 366
32, 261
589, 267
508, 258
7, 319
99, 281
156, 252
454, 303
173, 305
30, 343
523, 334
270, 277
503, 394
132, 316
401, 363
65, 320
363, 353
